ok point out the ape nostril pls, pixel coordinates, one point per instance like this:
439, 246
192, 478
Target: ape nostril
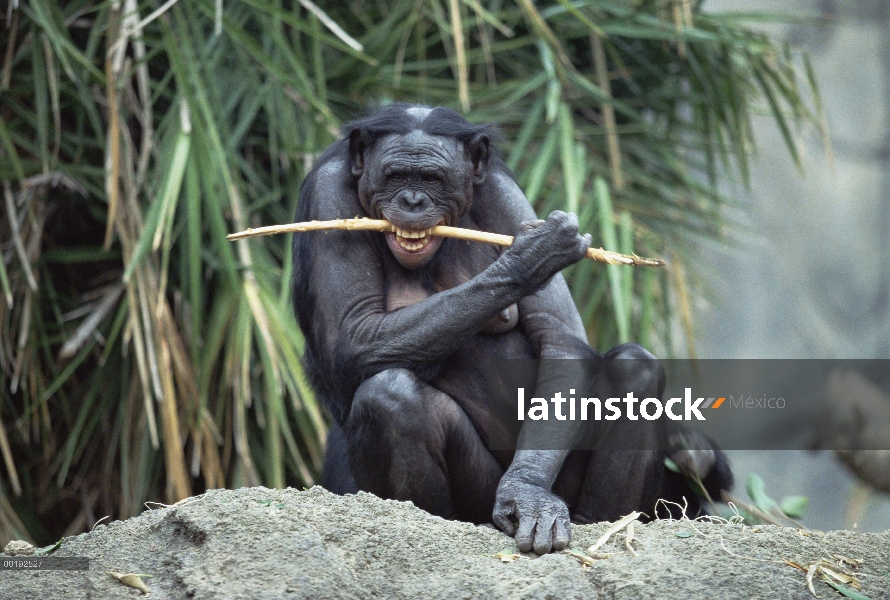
412, 199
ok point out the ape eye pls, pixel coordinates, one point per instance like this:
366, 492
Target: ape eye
429, 178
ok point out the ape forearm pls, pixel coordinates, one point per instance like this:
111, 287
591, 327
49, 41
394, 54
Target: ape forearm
536, 467
432, 329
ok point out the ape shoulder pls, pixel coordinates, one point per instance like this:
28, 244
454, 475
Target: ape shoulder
500, 206
329, 192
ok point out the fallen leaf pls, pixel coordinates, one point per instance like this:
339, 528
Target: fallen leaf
582, 558
603, 555
853, 562
49, 550
618, 526
847, 592
811, 572
132, 580
507, 556
630, 538
795, 565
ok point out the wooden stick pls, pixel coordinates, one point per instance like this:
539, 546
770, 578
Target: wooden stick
598, 254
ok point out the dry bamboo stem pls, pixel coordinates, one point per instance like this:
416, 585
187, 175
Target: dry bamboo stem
598, 254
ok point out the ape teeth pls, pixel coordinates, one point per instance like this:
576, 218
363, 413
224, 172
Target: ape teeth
412, 246
411, 235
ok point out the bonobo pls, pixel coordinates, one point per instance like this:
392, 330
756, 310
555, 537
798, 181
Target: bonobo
398, 328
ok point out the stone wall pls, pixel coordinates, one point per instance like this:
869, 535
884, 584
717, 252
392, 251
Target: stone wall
813, 278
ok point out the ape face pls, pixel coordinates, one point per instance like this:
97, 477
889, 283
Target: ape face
417, 181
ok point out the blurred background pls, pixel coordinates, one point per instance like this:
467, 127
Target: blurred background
811, 279
144, 358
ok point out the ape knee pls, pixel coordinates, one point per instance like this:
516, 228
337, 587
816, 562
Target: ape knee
393, 398
633, 368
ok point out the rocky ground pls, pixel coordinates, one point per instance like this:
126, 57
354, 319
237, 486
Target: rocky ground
259, 543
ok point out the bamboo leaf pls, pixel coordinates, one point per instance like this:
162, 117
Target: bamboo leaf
609, 234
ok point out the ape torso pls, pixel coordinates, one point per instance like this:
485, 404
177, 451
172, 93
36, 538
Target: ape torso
462, 374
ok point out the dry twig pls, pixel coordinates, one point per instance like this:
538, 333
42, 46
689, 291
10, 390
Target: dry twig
598, 254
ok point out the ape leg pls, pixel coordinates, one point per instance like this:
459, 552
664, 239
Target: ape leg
410, 441
617, 482
336, 475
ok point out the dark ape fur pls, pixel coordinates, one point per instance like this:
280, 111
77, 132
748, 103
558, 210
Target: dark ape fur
398, 326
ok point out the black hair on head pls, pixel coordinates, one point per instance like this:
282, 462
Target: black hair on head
396, 119
447, 122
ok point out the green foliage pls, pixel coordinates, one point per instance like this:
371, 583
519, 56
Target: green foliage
144, 357
789, 506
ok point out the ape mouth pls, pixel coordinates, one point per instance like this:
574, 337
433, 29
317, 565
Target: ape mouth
412, 241
413, 244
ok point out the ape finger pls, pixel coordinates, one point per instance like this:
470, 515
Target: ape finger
562, 534
544, 533
525, 534
504, 522
532, 225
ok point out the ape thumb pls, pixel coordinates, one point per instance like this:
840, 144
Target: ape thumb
504, 523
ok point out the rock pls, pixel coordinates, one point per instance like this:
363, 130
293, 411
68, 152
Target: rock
262, 543
18, 548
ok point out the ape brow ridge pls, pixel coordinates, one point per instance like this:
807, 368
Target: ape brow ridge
362, 224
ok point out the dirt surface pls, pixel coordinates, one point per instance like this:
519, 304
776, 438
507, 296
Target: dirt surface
259, 543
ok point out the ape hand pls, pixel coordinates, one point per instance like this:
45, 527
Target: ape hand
543, 248
543, 518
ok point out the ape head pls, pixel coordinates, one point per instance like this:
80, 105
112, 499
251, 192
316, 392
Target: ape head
417, 167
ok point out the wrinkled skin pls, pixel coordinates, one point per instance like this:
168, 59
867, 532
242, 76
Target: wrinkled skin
398, 327
411, 184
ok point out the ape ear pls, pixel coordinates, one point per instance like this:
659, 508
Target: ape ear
477, 149
358, 144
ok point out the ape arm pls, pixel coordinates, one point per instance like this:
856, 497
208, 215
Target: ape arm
550, 321
548, 317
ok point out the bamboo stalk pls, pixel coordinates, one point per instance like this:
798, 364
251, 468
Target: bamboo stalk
597, 254
608, 111
457, 27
